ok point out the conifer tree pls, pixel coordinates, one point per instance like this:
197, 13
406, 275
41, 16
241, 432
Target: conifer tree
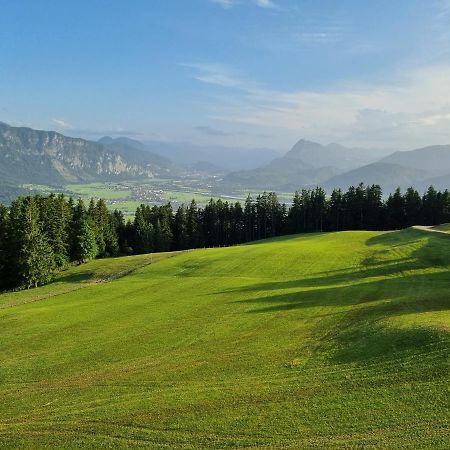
180, 233
431, 206
413, 207
193, 226
35, 258
396, 210
105, 226
373, 210
85, 245
249, 219
163, 236
56, 216
144, 237
3, 246
336, 210
294, 217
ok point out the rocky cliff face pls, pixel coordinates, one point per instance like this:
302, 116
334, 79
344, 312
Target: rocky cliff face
46, 157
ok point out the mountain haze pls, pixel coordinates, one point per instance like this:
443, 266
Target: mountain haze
419, 168
388, 176
433, 159
221, 157
307, 163
138, 152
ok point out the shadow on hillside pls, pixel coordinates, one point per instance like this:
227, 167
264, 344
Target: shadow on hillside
375, 342
431, 254
395, 290
287, 237
78, 277
341, 276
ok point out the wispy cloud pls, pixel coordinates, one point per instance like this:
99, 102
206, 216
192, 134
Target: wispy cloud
265, 3
210, 131
440, 32
317, 37
105, 132
218, 74
443, 9
410, 110
61, 124
65, 127
227, 4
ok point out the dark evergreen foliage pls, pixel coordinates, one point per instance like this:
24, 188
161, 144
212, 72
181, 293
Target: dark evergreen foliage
41, 235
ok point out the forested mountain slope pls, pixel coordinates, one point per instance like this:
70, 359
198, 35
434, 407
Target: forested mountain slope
331, 340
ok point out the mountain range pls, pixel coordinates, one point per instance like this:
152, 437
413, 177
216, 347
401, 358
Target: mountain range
419, 168
47, 157
309, 164
29, 156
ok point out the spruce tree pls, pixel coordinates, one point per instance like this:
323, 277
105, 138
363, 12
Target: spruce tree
413, 207
3, 246
431, 206
249, 218
193, 226
85, 242
336, 210
395, 205
106, 229
55, 214
35, 258
144, 236
180, 234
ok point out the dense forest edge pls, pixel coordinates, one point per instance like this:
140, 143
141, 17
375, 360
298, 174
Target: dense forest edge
41, 236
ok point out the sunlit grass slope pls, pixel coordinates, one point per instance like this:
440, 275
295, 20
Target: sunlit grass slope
445, 227
337, 340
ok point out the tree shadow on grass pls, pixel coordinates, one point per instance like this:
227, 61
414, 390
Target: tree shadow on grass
361, 334
337, 277
392, 290
78, 277
376, 342
431, 254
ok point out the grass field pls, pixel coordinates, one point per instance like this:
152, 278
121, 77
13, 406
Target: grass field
338, 340
444, 227
106, 191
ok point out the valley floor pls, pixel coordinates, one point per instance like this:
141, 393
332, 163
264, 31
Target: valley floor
333, 340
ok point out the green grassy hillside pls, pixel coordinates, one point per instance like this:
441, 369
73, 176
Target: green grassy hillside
444, 227
337, 340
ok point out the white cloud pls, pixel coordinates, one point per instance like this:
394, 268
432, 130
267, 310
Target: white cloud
226, 4
62, 124
264, 3
218, 74
316, 37
410, 110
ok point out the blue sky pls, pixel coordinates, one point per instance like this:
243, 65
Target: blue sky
230, 72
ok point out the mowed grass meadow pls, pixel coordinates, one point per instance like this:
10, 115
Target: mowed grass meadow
333, 340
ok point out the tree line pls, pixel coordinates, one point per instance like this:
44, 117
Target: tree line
40, 236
